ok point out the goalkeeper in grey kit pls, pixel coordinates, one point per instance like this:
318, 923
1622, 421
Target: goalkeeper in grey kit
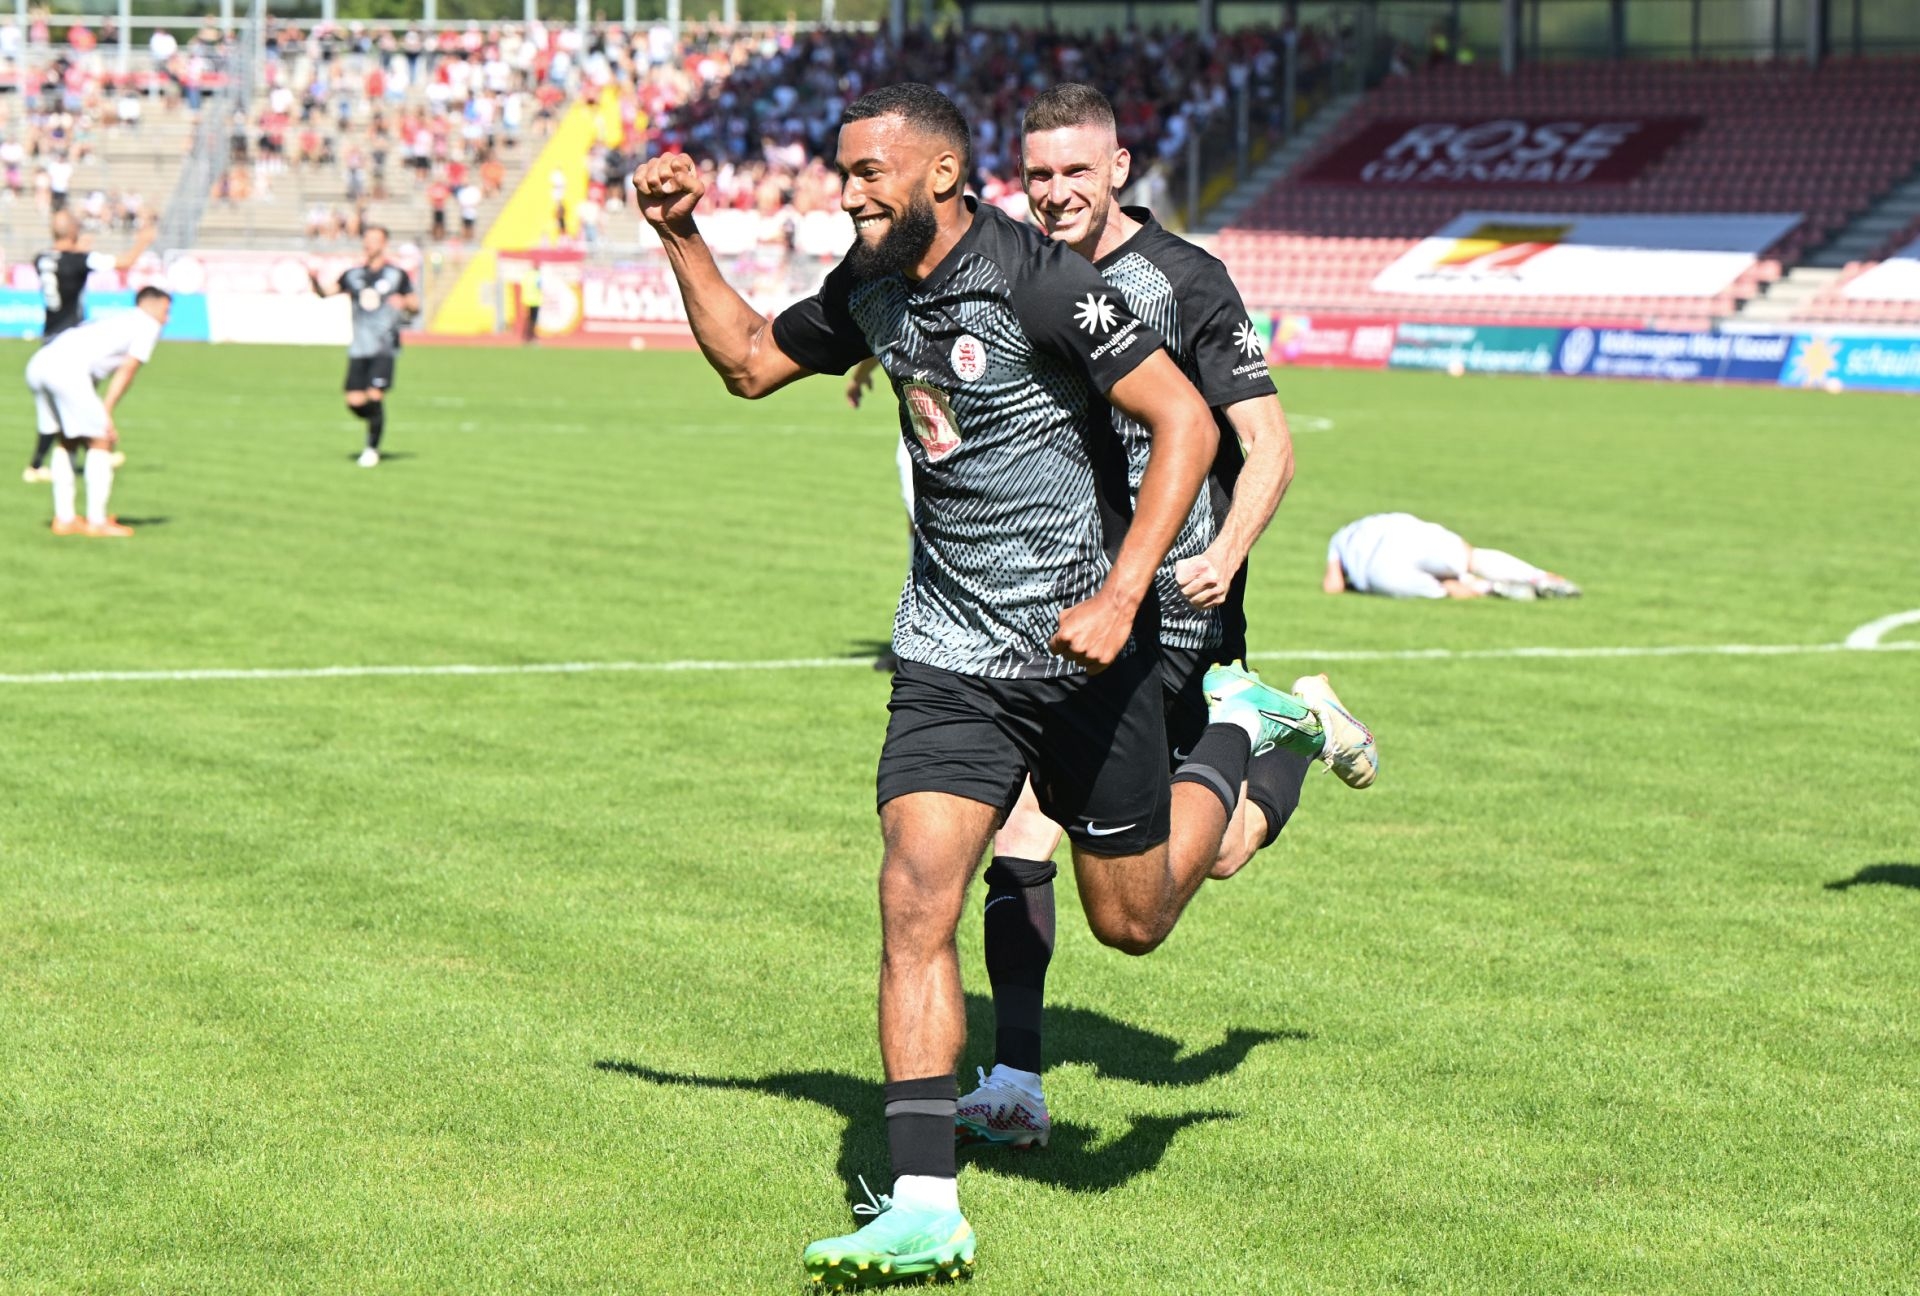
383, 298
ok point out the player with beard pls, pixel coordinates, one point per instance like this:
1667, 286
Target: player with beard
1073, 167
1017, 632
63, 270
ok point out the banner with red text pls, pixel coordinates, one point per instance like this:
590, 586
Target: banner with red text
1503, 152
1517, 254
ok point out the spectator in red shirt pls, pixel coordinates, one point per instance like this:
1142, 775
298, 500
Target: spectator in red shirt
438, 194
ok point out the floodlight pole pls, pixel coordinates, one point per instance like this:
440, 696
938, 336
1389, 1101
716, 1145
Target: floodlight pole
580, 20
673, 18
126, 35
1509, 36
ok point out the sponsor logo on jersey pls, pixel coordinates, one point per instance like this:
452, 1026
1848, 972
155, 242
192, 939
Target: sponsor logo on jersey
1118, 342
932, 418
369, 299
968, 357
1096, 314
1247, 338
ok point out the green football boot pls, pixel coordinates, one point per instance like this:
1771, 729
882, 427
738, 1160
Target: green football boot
900, 1244
1234, 692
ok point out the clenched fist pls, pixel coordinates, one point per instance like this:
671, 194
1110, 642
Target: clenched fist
1093, 633
668, 188
1205, 579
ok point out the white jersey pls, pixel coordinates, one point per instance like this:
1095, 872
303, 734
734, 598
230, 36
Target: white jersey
1399, 555
102, 345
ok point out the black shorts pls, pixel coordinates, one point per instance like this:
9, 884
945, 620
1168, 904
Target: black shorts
1095, 746
370, 373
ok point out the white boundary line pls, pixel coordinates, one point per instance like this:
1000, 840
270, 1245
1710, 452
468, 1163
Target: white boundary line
865, 663
1870, 634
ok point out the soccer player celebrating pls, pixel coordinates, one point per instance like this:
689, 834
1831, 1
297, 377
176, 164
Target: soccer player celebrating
61, 377
63, 270
1073, 167
1016, 631
383, 297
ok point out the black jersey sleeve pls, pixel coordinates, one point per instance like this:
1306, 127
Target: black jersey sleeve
1068, 309
1229, 361
819, 333
405, 285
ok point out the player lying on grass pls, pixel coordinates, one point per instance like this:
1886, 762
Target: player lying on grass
1074, 167
62, 376
1016, 628
1402, 556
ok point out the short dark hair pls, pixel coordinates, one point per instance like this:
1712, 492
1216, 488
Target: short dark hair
150, 293
370, 228
1068, 104
923, 108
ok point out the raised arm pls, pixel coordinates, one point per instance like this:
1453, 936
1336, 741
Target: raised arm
142, 240
1261, 425
736, 338
1159, 397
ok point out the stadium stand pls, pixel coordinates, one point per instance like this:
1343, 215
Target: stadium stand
1772, 138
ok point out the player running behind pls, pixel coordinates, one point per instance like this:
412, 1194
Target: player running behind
383, 297
1074, 167
1015, 629
1402, 556
63, 270
61, 377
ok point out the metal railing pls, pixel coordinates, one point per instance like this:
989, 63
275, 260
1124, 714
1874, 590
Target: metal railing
212, 142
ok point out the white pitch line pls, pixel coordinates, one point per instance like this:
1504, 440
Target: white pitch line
865, 663
1870, 634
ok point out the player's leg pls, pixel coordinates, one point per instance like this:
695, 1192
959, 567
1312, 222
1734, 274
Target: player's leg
1513, 577
1133, 896
60, 473
36, 469
99, 473
379, 383
1007, 1106
82, 418
948, 773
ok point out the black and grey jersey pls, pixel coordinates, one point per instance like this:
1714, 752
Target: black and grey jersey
1184, 293
377, 314
63, 284
1001, 359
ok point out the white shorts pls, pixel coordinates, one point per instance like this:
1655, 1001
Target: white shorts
1413, 559
65, 401
904, 462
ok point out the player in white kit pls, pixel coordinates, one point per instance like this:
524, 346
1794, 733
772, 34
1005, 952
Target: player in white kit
62, 376
1402, 556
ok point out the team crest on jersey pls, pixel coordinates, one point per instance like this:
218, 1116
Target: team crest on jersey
932, 419
968, 357
369, 299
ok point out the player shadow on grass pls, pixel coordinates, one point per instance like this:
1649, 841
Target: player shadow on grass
1075, 1158
1900, 875
137, 522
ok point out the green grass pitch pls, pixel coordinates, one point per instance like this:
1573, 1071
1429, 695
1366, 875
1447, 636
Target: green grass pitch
563, 982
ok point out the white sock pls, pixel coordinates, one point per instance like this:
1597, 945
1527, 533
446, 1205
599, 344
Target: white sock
99, 485
1495, 565
1246, 715
1026, 1082
926, 1192
62, 463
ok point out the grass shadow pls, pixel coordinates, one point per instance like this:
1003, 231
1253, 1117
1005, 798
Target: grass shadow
137, 522
1076, 1158
1900, 875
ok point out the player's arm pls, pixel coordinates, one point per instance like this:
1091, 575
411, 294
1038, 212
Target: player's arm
736, 339
116, 388
860, 381
321, 289
142, 240
1261, 425
1334, 579
408, 296
1159, 397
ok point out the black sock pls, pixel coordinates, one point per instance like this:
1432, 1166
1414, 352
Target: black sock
1019, 945
376, 423
361, 412
1273, 783
42, 447
920, 1125
1218, 762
